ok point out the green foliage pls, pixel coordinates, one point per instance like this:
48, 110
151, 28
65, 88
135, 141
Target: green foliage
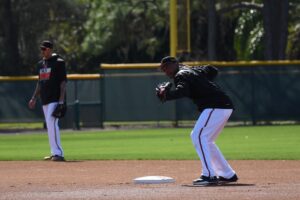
66, 19
260, 142
57, 20
248, 36
125, 31
293, 47
88, 32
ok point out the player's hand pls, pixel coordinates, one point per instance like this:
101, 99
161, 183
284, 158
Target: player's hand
162, 89
60, 110
31, 103
161, 94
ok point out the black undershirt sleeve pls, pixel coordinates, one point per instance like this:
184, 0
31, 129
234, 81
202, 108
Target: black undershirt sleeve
61, 68
182, 89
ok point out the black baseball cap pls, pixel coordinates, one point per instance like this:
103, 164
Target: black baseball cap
168, 60
46, 44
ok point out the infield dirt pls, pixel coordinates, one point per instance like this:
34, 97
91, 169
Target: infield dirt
263, 180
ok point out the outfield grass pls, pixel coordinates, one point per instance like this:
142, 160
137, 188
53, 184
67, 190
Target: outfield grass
260, 142
21, 126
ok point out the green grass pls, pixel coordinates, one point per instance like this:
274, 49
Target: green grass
260, 142
21, 126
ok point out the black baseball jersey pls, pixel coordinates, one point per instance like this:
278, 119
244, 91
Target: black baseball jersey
51, 73
204, 93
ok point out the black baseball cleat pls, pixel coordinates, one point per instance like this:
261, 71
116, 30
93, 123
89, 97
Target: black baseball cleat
234, 178
57, 158
54, 158
206, 180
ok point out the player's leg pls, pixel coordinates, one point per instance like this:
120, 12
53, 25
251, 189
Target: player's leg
201, 144
53, 130
220, 165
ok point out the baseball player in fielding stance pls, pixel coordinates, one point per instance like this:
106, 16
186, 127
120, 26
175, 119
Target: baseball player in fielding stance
215, 108
51, 88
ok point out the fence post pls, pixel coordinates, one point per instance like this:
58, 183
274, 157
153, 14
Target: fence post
253, 102
102, 96
76, 115
176, 114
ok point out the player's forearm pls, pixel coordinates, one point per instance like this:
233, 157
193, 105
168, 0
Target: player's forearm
63, 86
178, 93
37, 91
174, 94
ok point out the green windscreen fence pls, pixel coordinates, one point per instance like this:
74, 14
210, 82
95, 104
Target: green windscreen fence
260, 94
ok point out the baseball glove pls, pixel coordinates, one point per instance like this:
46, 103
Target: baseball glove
60, 111
162, 89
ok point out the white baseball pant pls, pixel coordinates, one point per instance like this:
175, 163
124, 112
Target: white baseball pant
53, 129
207, 128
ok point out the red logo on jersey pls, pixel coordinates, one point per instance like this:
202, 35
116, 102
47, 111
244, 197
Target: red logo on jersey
45, 74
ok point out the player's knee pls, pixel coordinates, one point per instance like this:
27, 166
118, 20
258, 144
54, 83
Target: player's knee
205, 139
193, 135
49, 120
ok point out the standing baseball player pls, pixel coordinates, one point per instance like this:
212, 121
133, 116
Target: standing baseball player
215, 109
51, 88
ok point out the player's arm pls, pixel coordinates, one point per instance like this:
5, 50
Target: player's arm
36, 94
61, 108
182, 89
62, 95
62, 79
37, 91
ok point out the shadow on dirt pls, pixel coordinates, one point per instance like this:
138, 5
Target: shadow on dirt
221, 185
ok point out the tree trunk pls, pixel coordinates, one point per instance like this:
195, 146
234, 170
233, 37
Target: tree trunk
275, 16
211, 41
12, 56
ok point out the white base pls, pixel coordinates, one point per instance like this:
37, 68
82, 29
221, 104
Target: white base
153, 180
